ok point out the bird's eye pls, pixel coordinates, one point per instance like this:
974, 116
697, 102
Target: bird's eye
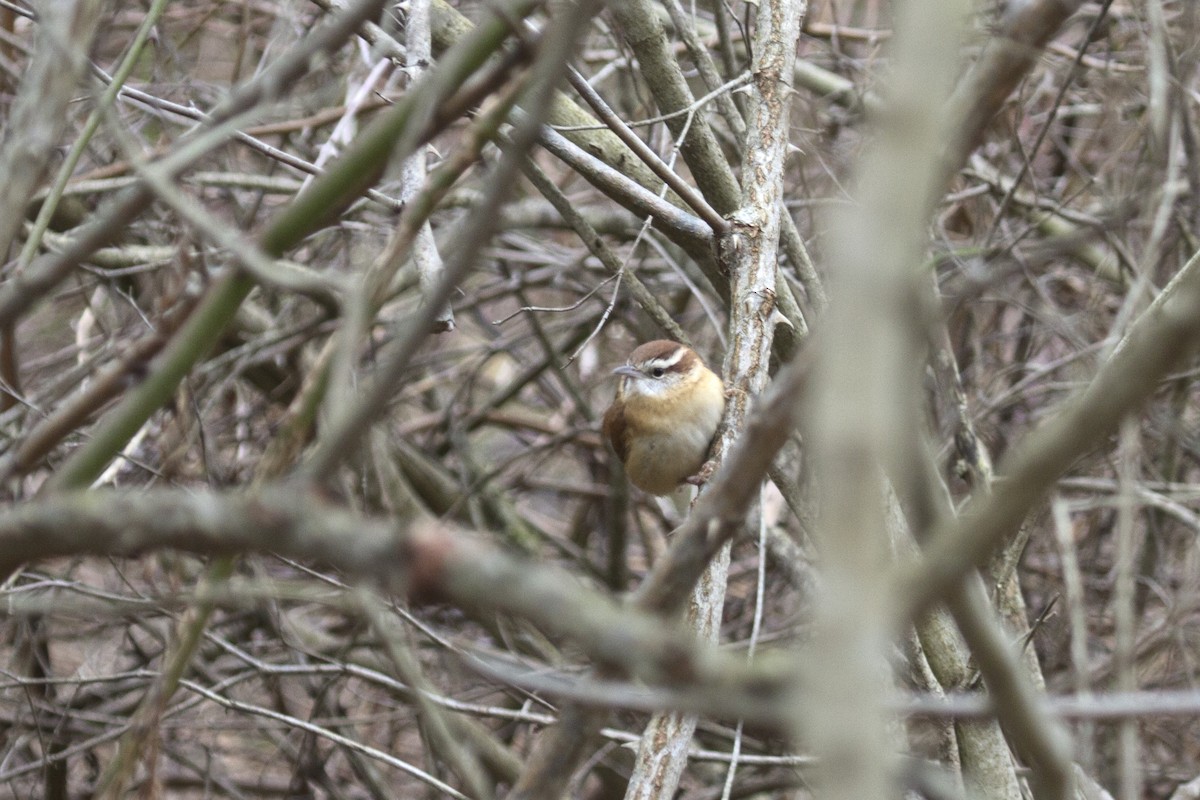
658, 372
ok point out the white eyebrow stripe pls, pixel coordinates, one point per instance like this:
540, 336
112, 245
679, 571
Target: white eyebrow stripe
669, 361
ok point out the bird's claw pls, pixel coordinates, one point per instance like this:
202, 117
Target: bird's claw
706, 471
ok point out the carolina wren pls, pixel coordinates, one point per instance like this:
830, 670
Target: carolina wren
665, 414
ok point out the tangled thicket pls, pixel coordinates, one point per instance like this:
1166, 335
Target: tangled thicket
1078, 206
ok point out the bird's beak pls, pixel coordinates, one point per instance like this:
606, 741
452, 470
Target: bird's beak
627, 371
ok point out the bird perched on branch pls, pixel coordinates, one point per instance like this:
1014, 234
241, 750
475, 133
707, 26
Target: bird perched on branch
665, 415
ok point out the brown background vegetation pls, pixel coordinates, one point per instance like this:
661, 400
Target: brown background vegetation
1074, 211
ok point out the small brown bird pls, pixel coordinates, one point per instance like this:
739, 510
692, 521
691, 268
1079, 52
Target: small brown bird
665, 414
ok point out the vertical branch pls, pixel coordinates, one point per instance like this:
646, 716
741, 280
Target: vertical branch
703, 155
748, 251
1128, 453
428, 260
867, 401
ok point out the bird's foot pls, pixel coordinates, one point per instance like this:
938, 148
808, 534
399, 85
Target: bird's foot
706, 471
